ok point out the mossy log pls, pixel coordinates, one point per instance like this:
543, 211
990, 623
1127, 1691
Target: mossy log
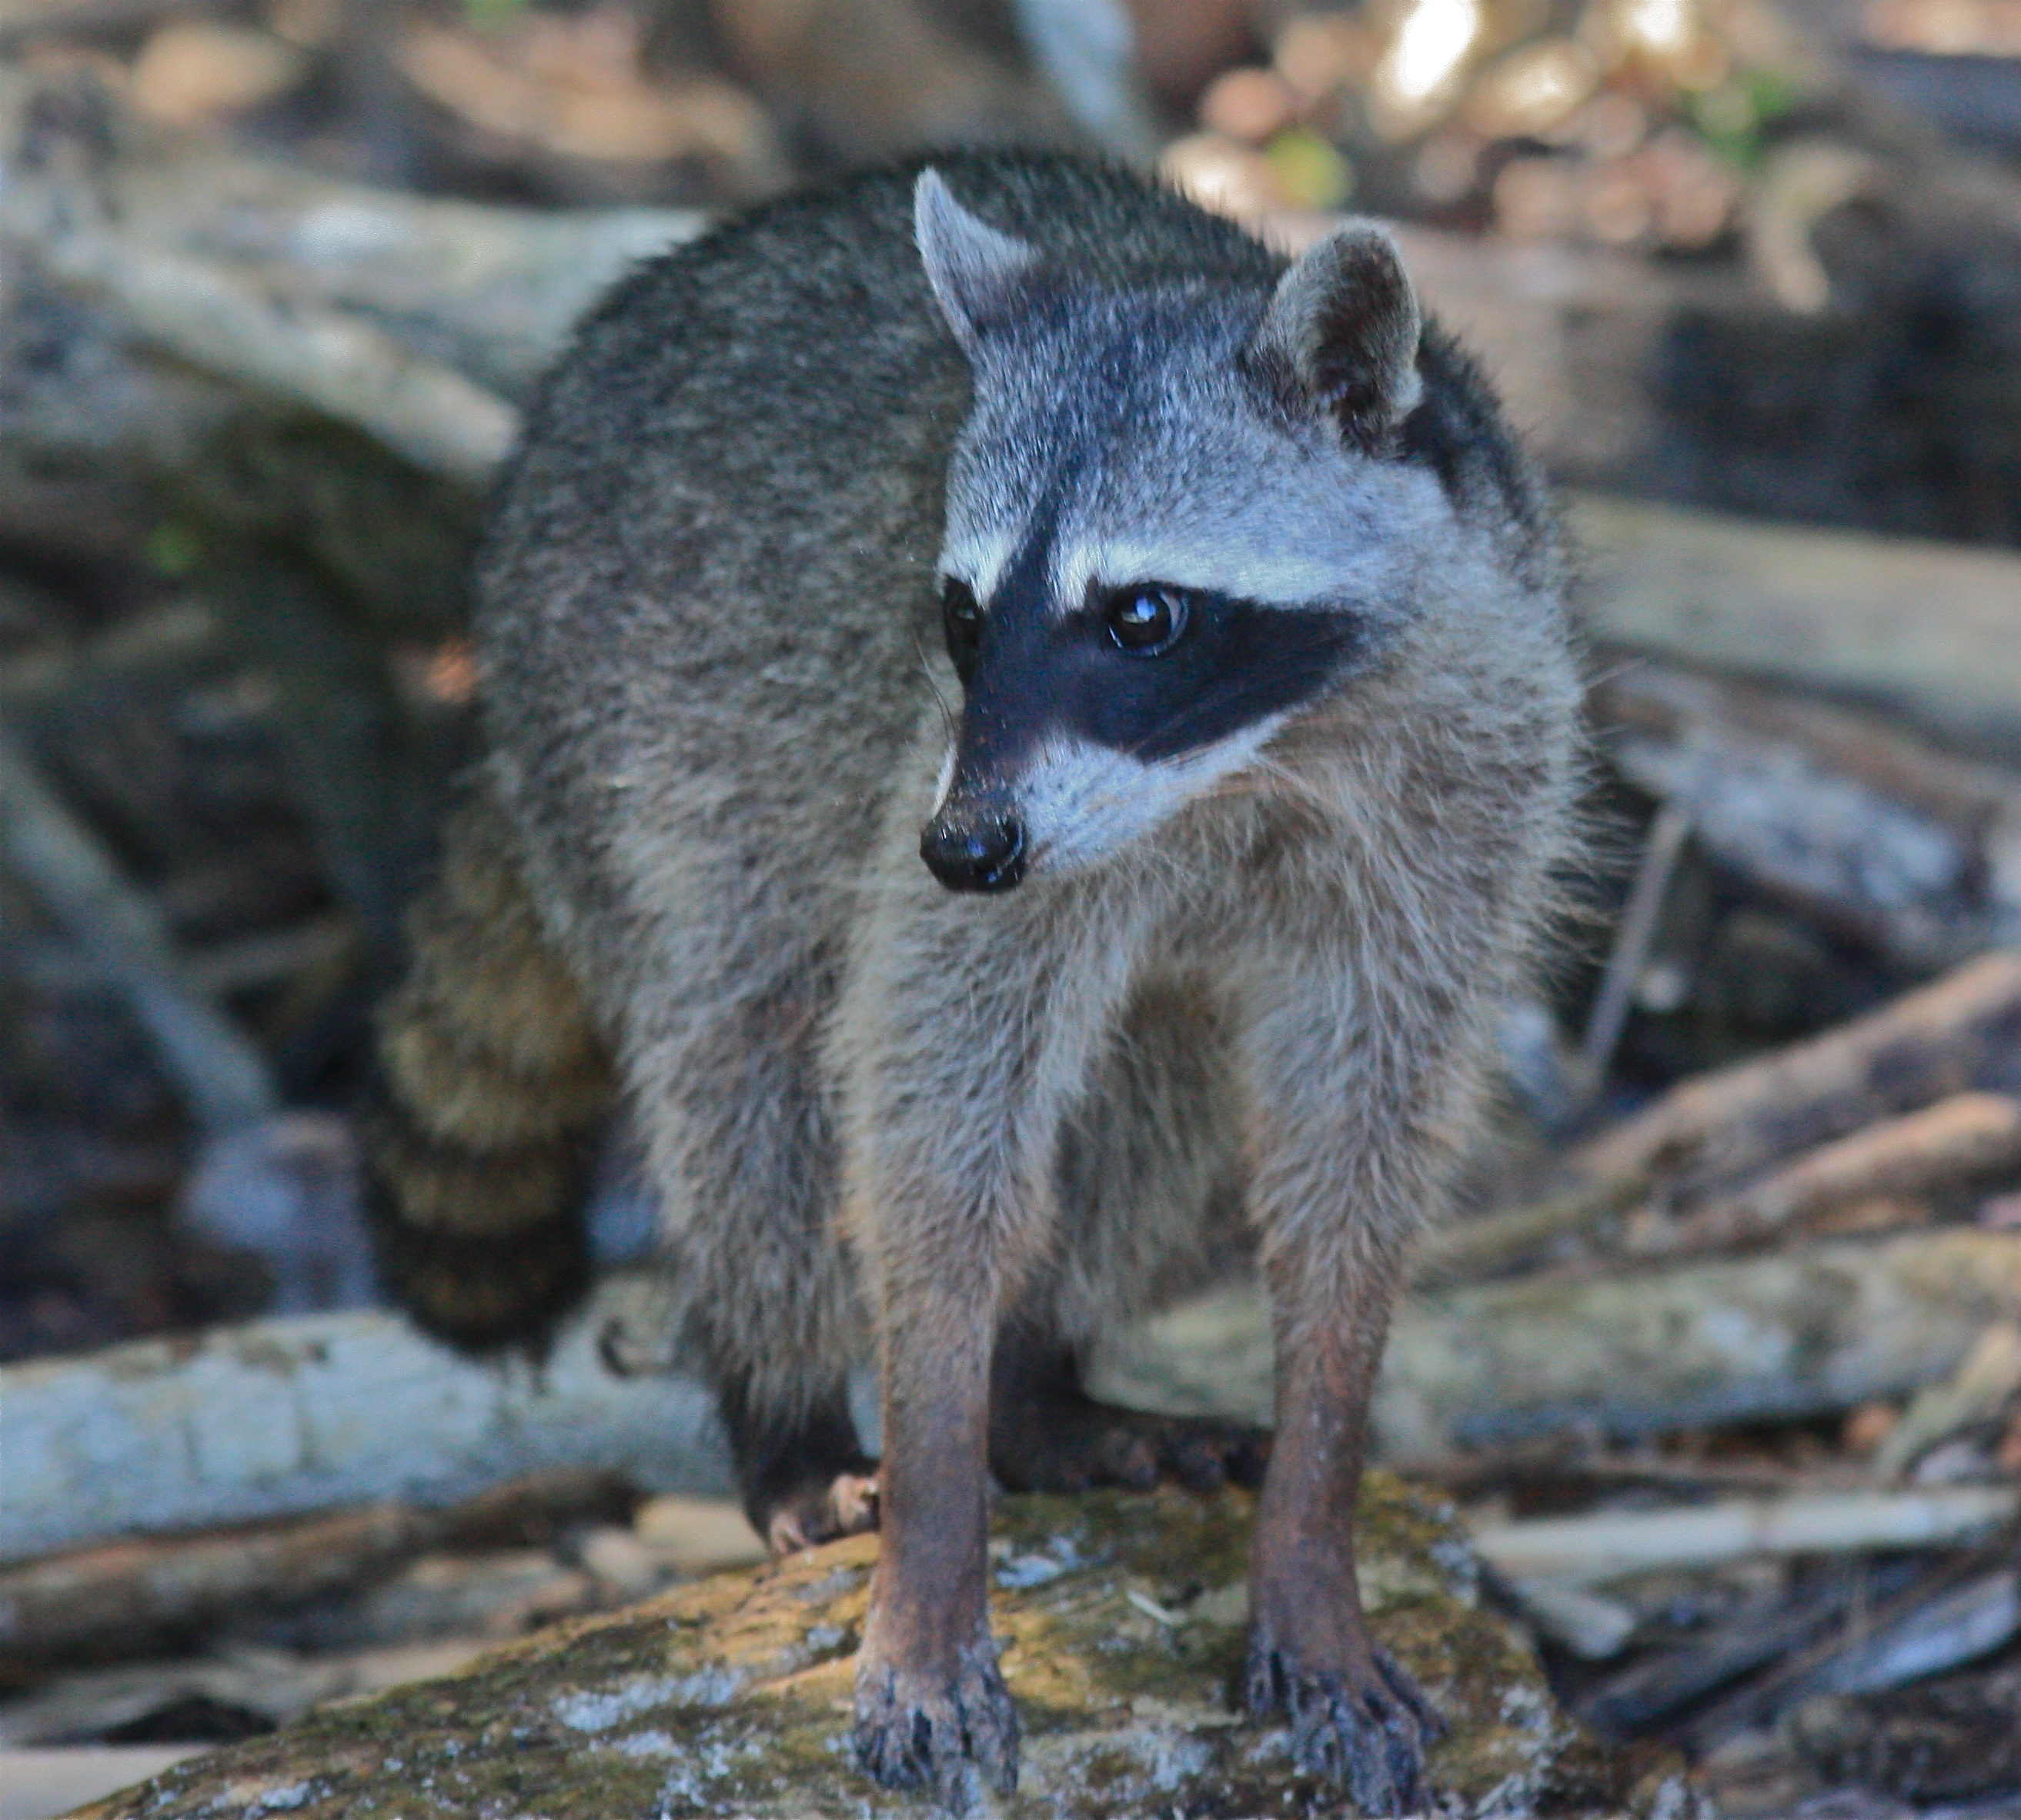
1121, 1621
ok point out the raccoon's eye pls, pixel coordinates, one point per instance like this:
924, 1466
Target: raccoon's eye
1146, 621
961, 623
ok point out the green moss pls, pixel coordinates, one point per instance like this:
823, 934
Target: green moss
1122, 1623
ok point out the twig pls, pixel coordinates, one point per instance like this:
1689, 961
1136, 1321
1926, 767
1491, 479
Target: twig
1661, 1682
1592, 1627
1977, 1392
1088, 49
1492, 1244
168, 642
1959, 1610
1605, 1544
1672, 826
251, 962
221, 1076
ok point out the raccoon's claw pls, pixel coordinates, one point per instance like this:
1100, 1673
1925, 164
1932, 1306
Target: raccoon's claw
1074, 1444
822, 1512
1367, 1732
948, 1739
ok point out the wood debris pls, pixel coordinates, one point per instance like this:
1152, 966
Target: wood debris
66, 1606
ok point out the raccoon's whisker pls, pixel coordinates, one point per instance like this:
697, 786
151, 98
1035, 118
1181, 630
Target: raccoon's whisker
1289, 780
1247, 782
933, 683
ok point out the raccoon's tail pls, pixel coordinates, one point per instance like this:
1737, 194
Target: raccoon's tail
489, 1087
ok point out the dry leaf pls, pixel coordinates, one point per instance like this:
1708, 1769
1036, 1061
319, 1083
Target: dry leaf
193, 73
575, 87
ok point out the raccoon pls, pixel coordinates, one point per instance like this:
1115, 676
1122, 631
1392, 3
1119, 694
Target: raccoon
1037, 733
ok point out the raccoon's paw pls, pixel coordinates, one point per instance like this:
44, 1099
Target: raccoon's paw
949, 1735
1073, 1444
822, 1509
1364, 1730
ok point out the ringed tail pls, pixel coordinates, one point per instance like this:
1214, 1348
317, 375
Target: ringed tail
490, 1085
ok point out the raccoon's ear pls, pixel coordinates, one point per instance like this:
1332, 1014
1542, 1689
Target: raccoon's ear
978, 274
1341, 334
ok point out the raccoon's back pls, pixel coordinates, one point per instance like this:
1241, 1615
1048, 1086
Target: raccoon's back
710, 577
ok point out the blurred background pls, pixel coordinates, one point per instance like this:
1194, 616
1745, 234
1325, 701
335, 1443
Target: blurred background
1780, 251
276, 275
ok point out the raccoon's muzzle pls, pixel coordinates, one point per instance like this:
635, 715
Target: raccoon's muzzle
978, 852
490, 1086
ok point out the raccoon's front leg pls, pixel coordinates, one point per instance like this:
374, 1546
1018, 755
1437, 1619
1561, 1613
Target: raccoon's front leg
962, 1039
1345, 1160
932, 1711
1357, 1717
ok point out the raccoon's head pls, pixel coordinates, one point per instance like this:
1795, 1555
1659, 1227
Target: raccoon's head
1175, 521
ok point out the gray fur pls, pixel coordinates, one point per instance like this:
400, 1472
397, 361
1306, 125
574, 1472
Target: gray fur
1261, 977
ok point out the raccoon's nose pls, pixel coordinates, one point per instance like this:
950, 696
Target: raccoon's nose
987, 854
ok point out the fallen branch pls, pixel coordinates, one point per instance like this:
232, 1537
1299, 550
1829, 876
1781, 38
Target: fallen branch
1926, 629
492, 290
336, 365
135, 1595
272, 1686
221, 318
1948, 1146
146, 1590
283, 1416
1959, 1035
1711, 1134
290, 1416
1941, 1620
1811, 1332
1859, 827
1808, 1608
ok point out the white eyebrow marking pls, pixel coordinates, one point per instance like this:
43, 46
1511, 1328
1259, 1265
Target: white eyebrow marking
1268, 577
980, 562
